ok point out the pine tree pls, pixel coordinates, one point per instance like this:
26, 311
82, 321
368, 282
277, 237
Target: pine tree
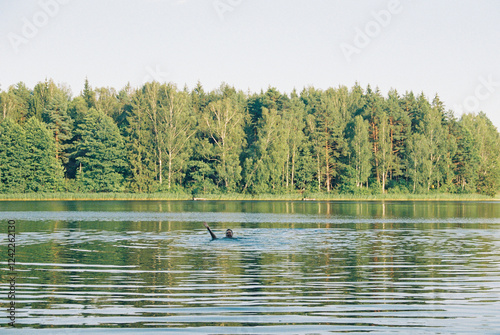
159, 137
293, 123
361, 151
384, 155
372, 113
55, 115
400, 128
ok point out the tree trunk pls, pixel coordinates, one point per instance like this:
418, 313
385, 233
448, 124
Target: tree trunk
57, 143
383, 182
159, 167
319, 174
358, 165
293, 168
415, 178
287, 168
169, 169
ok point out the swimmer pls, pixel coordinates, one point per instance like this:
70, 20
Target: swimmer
229, 232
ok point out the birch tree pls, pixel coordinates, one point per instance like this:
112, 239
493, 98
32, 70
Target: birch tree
224, 119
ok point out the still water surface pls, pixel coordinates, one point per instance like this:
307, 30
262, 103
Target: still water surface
293, 268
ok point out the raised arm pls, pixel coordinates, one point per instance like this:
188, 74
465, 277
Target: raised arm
210, 231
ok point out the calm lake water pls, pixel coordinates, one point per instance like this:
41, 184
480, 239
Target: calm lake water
293, 268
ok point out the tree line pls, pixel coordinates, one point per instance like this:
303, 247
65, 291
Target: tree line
161, 138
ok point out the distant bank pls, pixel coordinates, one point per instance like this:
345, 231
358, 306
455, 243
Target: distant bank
237, 196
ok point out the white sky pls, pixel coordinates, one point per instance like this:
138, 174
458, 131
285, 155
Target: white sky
449, 47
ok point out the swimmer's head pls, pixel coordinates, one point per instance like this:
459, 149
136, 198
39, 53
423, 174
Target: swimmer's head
229, 233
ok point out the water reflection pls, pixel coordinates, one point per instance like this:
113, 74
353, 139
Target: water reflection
294, 267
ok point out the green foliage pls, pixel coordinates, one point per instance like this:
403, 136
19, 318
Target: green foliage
488, 142
28, 158
15, 103
55, 115
42, 94
13, 152
466, 157
361, 152
222, 121
200, 177
306, 168
100, 153
267, 159
88, 95
159, 138
140, 148
44, 171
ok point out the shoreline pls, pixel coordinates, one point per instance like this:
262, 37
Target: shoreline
241, 197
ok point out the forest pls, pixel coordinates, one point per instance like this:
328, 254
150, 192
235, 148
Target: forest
159, 138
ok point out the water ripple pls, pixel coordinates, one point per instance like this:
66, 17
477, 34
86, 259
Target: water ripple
225, 217
117, 272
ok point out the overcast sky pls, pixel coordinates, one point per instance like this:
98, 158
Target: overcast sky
448, 47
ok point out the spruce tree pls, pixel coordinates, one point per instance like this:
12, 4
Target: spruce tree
43, 171
466, 158
13, 153
89, 95
100, 153
140, 147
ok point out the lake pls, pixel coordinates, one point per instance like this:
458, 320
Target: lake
298, 267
